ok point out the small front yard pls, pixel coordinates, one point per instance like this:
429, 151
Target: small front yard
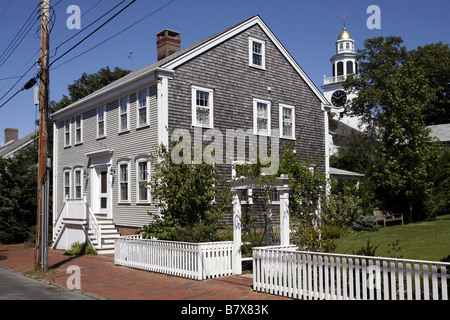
424, 240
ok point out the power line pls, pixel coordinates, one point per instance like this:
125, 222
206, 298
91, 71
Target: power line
115, 35
89, 35
28, 25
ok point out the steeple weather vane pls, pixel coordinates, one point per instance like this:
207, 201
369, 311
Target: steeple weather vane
344, 18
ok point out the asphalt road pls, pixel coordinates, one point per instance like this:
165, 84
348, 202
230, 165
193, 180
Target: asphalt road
14, 286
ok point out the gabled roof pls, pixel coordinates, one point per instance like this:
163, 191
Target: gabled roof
11, 148
168, 64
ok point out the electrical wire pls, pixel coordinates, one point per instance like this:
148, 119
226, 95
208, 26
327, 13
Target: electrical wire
14, 44
90, 34
115, 35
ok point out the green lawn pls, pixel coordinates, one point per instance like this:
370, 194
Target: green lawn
425, 240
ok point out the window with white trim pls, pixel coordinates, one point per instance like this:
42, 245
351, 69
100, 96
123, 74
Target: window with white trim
101, 122
78, 129
124, 181
287, 121
67, 137
257, 53
124, 114
78, 183
142, 108
67, 184
202, 107
275, 196
261, 117
143, 178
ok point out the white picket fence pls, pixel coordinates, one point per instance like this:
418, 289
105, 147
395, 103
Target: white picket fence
197, 261
320, 276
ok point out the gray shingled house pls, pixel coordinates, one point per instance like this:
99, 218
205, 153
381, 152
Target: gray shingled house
240, 78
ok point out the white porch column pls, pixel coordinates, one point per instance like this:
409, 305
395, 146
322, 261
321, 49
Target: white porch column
237, 234
284, 216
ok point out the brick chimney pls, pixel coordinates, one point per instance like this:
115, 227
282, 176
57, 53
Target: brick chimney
167, 42
11, 135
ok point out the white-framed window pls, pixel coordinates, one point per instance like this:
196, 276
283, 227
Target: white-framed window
142, 108
101, 122
124, 114
202, 107
79, 129
124, 181
275, 196
142, 179
78, 183
67, 136
257, 53
261, 117
67, 178
287, 121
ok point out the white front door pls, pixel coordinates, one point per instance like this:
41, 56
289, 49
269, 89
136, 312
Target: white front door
102, 191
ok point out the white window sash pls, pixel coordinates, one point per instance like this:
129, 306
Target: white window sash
256, 117
138, 180
262, 43
282, 122
101, 121
209, 107
122, 181
140, 107
125, 114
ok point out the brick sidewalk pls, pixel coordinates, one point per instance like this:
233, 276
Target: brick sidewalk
102, 278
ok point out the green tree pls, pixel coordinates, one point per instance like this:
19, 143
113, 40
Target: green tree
192, 198
18, 190
406, 153
87, 84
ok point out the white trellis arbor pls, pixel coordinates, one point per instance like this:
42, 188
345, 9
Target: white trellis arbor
280, 184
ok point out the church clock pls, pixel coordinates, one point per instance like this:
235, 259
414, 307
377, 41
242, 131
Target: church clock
339, 98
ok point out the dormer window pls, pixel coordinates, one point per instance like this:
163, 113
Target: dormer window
257, 53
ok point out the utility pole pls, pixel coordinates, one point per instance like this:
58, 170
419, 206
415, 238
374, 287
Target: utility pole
43, 165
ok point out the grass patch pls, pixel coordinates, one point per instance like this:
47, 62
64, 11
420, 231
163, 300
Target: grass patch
424, 240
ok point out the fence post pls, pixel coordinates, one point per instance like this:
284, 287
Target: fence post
237, 234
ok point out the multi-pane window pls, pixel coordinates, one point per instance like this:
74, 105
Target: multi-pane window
275, 196
287, 121
261, 117
143, 179
101, 122
202, 107
78, 183
124, 183
78, 130
142, 107
66, 133
67, 184
124, 114
257, 53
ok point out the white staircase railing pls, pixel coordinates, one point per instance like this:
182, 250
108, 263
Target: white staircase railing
77, 209
93, 224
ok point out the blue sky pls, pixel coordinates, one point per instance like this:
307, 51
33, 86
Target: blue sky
308, 30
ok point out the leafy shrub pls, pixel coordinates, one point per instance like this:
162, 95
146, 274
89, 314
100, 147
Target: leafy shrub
330, 232
341, 208
365, 223
79, 249
309, 240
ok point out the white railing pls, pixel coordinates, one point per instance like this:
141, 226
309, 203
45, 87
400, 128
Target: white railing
77, 209
329, 80
322, 276
188, 260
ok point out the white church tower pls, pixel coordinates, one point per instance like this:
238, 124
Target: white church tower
343, 64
